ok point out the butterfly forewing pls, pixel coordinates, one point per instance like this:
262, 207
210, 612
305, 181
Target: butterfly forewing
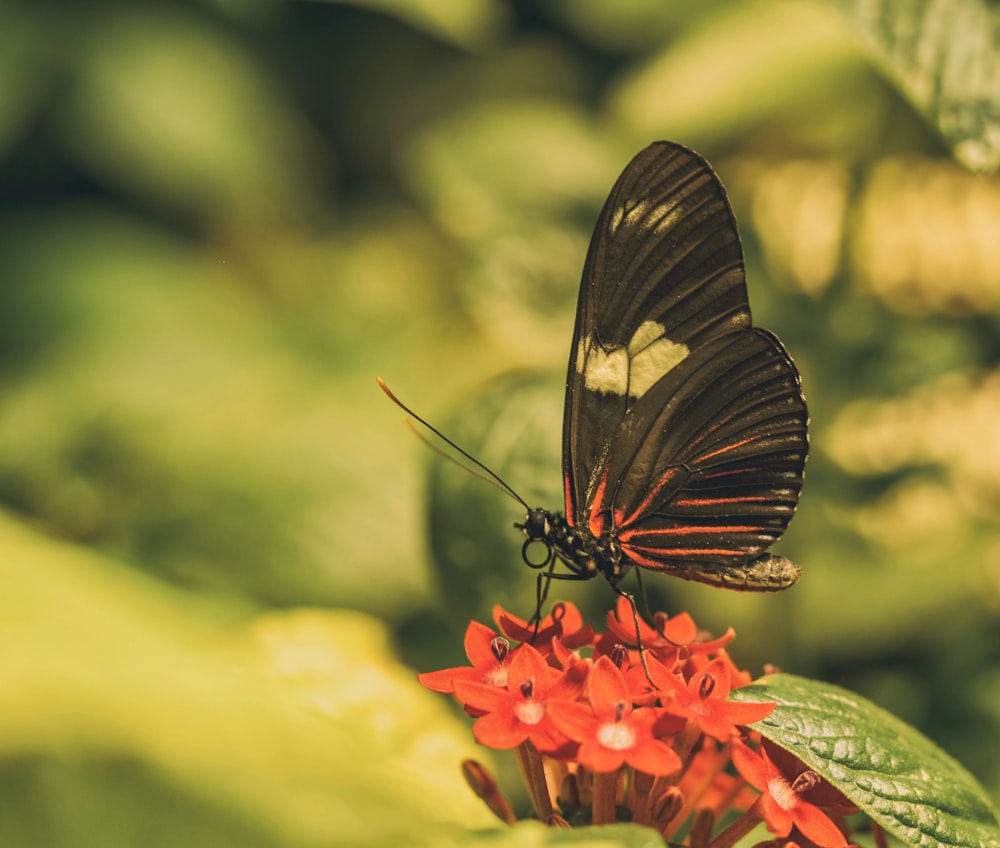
685, 427
663, 276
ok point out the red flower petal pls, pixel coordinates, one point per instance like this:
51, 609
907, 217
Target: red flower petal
783, 807
565, 621
744, 713
712, 681
499, 731
445, 679
607, 689
702, 698
598, 758
482, 696
737, 677
666, 724
750, 764
722, 717
816, 825
574, 719
610, 731
569, 684
681, 629
777, 818
621, 622
486, 666
665, 678
529, 666
478, 639
704, 645
654, 757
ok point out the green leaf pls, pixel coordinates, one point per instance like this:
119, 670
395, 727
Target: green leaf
943, 55
607, 836
26, 69
533, 834
789, 55
897, 776
165, 105
464, 23
123, 697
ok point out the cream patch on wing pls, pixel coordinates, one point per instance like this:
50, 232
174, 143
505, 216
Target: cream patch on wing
633, 369
630, 218
642, 215
652, 360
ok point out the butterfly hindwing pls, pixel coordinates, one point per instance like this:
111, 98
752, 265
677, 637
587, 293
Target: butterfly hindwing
706, 469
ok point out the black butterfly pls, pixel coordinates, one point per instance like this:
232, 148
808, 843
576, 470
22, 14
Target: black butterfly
685, 427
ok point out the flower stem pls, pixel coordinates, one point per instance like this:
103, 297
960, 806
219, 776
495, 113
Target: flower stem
701, 828
605, 797
533, 772
725, 799
686, 742
640, 797
741, 827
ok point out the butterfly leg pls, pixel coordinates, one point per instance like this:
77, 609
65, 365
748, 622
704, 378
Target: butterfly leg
542, 583
647, 613
628, 596
543, 579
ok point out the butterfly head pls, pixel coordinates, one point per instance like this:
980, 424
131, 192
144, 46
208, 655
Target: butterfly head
537, 528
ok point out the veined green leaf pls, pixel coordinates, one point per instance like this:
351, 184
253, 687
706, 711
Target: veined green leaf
943, 55
893, 773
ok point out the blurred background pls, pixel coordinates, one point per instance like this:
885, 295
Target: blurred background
224, 558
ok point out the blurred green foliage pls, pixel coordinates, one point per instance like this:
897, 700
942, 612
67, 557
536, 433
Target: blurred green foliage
220, 219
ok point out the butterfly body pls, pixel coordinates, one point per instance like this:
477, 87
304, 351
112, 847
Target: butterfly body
685, 427
585, 554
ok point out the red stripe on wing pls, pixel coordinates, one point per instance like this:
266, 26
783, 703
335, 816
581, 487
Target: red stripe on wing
622, 521
720, 501
690, 529
568, 497
717, 474
639, 557
726, 448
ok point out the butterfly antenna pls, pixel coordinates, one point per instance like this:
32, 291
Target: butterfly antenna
501, 486
489, 476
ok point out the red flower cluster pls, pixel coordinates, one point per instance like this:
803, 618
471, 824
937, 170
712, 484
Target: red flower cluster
599, 737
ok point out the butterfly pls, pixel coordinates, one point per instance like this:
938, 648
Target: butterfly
685, 430
684, 426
